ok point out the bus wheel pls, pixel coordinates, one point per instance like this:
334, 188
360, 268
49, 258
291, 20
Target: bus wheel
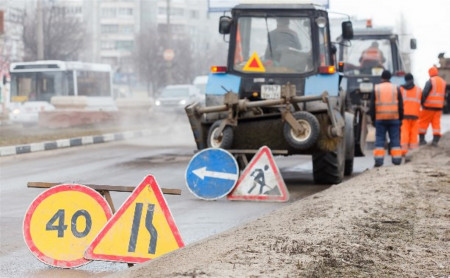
224, 141
308, 137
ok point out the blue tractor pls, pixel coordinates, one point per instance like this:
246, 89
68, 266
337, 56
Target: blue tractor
279, 89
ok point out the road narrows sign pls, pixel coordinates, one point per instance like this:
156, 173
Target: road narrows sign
142, 228
62, 221
212, 173
261, 180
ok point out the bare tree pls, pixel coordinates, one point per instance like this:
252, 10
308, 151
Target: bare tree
151, 66
148, 59
64, 35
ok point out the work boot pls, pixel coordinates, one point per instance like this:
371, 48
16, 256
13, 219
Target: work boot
435, 140
422, 140
397, 161
378, 162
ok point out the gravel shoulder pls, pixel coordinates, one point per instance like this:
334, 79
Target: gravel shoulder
387, 222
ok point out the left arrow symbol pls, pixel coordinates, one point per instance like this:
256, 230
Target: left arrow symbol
202, 173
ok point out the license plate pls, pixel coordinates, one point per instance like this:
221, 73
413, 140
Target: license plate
270, 91
366, 87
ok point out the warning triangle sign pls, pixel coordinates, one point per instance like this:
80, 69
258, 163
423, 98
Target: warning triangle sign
142, 228
254, 64
261, 180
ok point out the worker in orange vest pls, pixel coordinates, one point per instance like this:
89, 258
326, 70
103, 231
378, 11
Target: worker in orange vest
386, 110
432, 103
372, 57
411, 95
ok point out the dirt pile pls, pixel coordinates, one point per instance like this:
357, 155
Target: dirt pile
387, 222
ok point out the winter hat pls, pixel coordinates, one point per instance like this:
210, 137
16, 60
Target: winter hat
433, 71
409, 77
386, 75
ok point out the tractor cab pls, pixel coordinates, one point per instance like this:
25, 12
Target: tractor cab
362, 61
271, 45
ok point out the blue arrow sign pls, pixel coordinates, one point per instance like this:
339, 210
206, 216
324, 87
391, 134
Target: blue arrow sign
212, 174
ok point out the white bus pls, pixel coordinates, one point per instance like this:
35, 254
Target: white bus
45, 85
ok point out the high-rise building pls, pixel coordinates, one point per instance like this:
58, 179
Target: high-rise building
11, 44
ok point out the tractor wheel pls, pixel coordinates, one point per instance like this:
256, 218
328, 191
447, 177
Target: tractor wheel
349, 144
446, 109
328, 167
360, 131
310, 134
227, 136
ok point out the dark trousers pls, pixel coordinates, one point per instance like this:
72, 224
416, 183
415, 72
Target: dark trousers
392, 128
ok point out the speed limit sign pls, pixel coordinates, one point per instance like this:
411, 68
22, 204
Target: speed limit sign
61, 223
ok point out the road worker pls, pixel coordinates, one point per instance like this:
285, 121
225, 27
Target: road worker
280, 39
372, 57
432, 104
411, 94
386, 110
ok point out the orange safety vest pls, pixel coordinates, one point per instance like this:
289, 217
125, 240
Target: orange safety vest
435, 98
386, 101
371, 54
411, 100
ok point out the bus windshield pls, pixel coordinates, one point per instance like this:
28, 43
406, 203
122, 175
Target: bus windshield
282, 45
37, 86
367, 57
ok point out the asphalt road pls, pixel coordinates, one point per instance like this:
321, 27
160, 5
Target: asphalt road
165, 154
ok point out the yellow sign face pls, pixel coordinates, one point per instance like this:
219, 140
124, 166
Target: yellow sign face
254, 64
19, 98
61, 223
142, 229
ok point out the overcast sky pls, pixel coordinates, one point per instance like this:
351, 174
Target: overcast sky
428, 21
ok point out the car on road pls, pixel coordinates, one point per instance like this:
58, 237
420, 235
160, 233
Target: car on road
176, 97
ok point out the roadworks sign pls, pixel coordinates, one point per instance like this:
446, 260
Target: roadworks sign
254, 64
61, 223
142, 228
261, 180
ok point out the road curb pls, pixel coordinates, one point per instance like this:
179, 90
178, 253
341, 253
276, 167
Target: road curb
71, 142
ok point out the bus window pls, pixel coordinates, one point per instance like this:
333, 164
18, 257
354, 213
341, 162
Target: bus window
22, 87
93, 83
39, 86
70, 87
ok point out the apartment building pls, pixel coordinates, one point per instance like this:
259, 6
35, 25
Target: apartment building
112, 26
11, 44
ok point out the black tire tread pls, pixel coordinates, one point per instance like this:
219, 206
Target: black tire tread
326, 166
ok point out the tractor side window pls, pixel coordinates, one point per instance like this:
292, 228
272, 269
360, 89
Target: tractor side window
323, 47
273, 45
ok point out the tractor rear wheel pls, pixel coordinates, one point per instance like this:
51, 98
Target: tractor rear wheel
328, 167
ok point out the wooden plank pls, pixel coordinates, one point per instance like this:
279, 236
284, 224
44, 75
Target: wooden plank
108, 198
98, 187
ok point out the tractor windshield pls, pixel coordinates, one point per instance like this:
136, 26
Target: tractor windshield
273, 45
367, 57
